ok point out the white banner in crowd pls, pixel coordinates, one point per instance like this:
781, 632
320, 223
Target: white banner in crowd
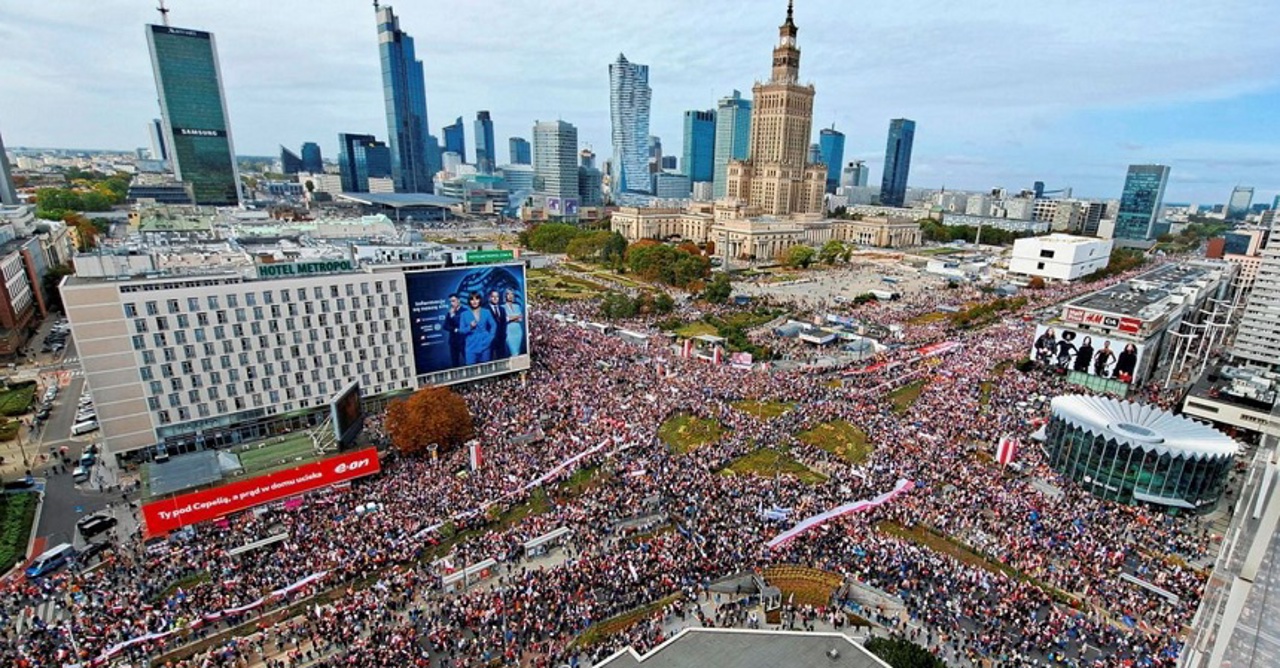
848, 508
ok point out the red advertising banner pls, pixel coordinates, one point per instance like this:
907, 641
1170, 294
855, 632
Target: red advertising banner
1125, 324
179, 511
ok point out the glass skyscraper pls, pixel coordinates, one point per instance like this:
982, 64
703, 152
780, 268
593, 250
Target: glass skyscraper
897, 162
831, 145
698, 161
1238, 205
629, 97
7, 193
312, 162
361, 157
455, 139
290, 162
1141, 202
555, 164
155, 130
521, 153
486, 151
414, 159
733, 138
194, 111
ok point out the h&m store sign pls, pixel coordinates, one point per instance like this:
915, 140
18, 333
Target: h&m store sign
290, 269
1123, 324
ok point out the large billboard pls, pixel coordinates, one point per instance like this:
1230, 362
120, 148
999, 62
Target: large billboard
1088, 352
347, 414
195, 507
467, 316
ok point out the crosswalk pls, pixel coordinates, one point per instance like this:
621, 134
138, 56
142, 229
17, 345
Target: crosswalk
49, 611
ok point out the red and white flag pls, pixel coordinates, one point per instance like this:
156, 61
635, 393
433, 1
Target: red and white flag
1006, 450
687, 351
718, 357
475, 458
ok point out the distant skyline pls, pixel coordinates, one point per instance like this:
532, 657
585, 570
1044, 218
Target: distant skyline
1002, 95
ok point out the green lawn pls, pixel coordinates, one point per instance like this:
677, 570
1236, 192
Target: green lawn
698, 328
601, 631
767, 462
839, 438
276, 455
765, 410
16, 400
546, 284
9, 430
16, 513
904, 396
684, 432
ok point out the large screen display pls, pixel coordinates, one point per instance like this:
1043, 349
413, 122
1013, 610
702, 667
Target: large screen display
347, 414
1088, 352
466, 316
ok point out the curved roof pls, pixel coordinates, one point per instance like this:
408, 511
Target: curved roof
1145, 427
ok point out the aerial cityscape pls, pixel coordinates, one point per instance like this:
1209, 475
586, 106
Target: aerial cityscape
389, 336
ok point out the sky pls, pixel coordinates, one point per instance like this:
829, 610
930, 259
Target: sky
1004, 92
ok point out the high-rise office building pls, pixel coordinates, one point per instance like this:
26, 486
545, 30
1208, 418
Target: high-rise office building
590, 180
669, 162
733, 138
831, 143
361, 157
155, 132
815, 154
1258, 337
698, 161
1238, 205
486, 150
312, 161
521, 154
629, 97
290, 162
1141, 202
776, 176
455, 139
8, 195
414, 155
194, 111
555, 159
897, 162
855, 175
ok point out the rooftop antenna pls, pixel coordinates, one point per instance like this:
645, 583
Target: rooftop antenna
164, 14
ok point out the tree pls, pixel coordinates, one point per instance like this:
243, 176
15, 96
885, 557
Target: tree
588, 246
663, 303
719, 289
615, 250
50, 282
902, 653
616, 305
799, 256
86, 232
552, 237
831, 252
1036, 283
310, 186
431, 415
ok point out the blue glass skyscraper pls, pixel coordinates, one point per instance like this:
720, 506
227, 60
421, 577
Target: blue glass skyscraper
290, 162
196, 128
733, 138
414, 159
699, 159
361, 157
831, 146
521, 152
486, 152
629, 97
1141, 202
312, 162
897, 162
455, 139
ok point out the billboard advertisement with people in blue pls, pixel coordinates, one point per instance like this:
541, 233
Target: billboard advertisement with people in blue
467, 316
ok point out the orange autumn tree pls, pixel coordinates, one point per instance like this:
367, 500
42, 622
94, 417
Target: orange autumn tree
430, 415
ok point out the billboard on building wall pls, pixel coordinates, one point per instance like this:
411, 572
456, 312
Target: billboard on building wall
202, 506
466, 316
1068, 350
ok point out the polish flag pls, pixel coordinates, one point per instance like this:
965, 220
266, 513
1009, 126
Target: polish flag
687, 351
718, 355
1006, 450
475, 458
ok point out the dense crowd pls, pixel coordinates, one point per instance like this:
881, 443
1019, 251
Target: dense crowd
590, 393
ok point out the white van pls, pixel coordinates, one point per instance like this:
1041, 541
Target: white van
84, 427
52, 559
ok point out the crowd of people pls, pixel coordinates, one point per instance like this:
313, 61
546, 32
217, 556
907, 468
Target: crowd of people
592, 405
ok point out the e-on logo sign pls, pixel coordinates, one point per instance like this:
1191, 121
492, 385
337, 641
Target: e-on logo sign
303, 268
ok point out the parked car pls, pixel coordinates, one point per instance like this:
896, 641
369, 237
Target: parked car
79, 475
43, 413
25, 482
50, 561
92, 550
92, 525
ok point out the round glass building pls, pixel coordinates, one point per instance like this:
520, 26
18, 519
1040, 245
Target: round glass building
1130, 452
